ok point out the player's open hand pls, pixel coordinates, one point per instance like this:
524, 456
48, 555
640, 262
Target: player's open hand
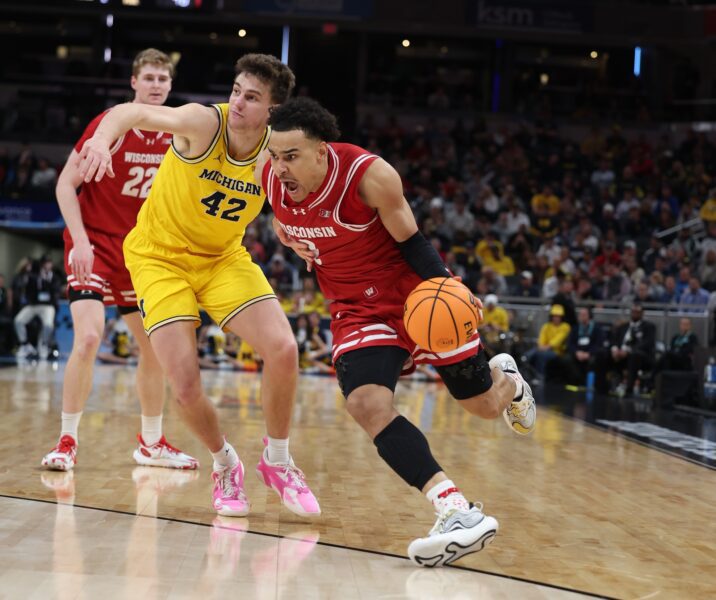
300, 247
95, 159
81, 261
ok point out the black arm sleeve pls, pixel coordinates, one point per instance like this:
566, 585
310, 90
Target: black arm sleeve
419, 253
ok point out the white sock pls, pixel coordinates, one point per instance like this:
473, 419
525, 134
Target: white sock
151, 429
226, 457
445, 496
519, 389
70, 424
278, 451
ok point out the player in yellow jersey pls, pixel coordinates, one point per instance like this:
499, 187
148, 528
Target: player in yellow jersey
186, 251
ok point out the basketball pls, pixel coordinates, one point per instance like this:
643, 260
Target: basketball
441, 314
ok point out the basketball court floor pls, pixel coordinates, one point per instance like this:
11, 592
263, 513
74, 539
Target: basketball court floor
605, 499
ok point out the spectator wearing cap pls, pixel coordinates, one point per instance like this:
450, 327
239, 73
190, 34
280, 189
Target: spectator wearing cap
525, 287
632, 348
495, 322
552, 341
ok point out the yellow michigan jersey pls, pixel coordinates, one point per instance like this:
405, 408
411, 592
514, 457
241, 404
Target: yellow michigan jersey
202, 205
185, 250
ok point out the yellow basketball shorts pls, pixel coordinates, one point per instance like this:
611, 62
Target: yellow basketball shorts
171, 286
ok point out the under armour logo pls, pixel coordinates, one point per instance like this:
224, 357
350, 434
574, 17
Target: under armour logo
298, 211
324, 213
150, 141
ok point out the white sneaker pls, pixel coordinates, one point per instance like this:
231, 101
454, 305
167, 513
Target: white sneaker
26, 351
163, 454
522, 413
63, 456
454, 535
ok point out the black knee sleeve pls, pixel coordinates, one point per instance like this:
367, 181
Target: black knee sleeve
468, 378
404, 447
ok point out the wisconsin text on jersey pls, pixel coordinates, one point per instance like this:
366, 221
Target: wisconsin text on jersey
236, 185
309, 232
143, 158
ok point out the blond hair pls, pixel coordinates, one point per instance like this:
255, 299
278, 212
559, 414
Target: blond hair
154, 57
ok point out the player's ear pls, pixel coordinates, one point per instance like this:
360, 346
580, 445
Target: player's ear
322, 150
133, 83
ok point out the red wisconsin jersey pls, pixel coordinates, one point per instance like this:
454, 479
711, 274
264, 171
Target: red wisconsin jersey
358, 264
111, 206
357, 259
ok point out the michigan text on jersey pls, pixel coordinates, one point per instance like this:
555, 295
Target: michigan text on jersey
236, 185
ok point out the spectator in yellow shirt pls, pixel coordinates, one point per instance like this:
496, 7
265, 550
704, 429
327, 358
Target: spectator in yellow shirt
545, 202
708, 210
552, 340
491, 253
495, 321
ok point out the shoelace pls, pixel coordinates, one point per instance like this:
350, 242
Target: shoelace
162, 443
296, 478
227, 484
65, 446
442, 517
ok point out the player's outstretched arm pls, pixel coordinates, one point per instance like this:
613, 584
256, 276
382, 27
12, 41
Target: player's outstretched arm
382, 189
193, 125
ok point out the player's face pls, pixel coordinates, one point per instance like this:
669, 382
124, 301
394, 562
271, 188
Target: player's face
299, 162
152, 85
249, 103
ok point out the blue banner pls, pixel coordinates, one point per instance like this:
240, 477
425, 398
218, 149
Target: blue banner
20, 214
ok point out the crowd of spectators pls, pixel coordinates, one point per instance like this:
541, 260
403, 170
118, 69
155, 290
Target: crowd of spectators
26, 176
528, 212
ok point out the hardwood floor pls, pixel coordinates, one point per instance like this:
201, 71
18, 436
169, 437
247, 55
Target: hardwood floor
579, 508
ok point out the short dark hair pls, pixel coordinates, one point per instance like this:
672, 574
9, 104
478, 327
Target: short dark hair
271, 71
307, 115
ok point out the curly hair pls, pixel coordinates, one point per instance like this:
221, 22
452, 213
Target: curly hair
271, 71
307, 115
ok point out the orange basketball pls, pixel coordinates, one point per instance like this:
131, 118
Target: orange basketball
441, 314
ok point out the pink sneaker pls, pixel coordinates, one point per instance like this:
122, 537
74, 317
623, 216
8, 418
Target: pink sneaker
229, 497
63, 456
289, 482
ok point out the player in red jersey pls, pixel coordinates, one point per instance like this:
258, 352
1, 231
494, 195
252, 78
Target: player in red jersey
343, 211
98, 220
